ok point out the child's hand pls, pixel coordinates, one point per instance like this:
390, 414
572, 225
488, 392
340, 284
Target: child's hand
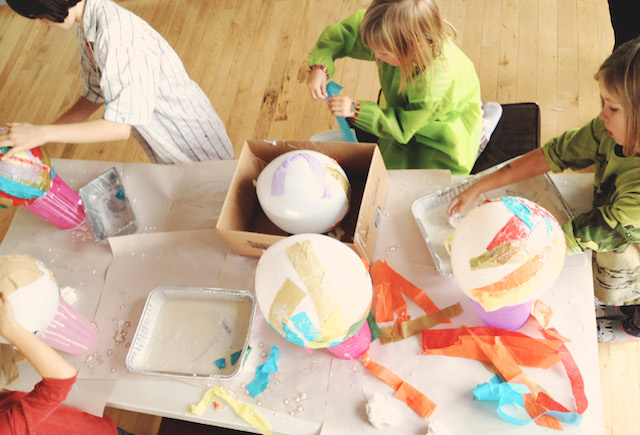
317, 83
459, 204
20, 137
342, 106
7, 320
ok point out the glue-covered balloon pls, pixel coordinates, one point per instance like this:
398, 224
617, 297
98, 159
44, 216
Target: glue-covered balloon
313, 290
25, 176
32, 290
304, 191
507, 251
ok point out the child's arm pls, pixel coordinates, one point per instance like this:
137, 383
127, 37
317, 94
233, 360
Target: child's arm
22, 137
81, 110
531, 164
336, 41
317, 83
44, 359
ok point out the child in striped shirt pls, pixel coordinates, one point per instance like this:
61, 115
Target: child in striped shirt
133, 71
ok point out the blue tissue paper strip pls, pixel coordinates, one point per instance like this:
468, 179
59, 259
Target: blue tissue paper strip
334, 89
263, 373
509, 397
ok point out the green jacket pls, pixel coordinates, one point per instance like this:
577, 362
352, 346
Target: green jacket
434, 123
614, 221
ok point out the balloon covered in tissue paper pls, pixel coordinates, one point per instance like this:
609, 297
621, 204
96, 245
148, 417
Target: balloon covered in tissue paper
32, 290
313, 290
304, 191
24, 177
507, 251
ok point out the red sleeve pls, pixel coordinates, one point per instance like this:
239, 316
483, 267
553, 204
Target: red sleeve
34, 408
40, 412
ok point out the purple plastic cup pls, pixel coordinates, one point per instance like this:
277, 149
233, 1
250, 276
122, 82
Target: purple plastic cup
512, 317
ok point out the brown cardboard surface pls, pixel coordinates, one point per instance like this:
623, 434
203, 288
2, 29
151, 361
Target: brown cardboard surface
248, 231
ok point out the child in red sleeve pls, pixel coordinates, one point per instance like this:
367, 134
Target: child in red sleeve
40, 411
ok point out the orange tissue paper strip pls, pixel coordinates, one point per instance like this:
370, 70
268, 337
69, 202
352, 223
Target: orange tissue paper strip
542, 313
404, 391
521, 275
387, 300
389, 286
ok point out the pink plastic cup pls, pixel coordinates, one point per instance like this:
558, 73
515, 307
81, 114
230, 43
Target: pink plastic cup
511, 318
70, 331
61, 206
354, 346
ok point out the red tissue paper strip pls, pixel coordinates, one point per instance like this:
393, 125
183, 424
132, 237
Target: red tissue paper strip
525, 350
514, 229
573, 372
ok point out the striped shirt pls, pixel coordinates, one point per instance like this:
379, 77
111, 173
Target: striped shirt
126, 64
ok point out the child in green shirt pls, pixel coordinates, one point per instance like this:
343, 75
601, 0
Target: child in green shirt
429, 115
611, 229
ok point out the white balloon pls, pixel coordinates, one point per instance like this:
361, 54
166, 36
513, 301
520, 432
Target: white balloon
34, 305
313, 290
507, 251
304, 191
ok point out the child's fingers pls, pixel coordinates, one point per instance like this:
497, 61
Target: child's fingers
453, 211
10, 152
453, 206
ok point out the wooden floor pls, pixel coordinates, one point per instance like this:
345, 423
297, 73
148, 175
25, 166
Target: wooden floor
249, 56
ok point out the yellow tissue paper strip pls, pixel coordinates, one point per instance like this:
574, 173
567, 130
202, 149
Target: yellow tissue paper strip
284, 304
342, 181
407, 329
244, 411
307, 264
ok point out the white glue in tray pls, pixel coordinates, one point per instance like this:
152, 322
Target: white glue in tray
192, 332
430, 212
107, 207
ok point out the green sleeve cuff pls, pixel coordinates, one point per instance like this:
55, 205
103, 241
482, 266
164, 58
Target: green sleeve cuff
572, 245
366, 116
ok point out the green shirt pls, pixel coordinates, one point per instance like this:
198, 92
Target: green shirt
614, 221
435, 123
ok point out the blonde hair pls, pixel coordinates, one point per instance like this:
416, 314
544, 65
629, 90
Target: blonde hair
620, 74
411, 30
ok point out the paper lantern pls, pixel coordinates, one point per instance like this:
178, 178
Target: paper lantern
507, 251
304, 191
32, 290
313, 290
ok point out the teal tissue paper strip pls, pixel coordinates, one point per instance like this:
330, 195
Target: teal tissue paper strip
334, 89
263, 373
510, 402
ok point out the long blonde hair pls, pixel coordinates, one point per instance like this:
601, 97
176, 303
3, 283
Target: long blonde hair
411, 30
620, 74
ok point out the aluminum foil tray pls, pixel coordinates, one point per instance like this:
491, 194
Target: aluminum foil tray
107, 207
192, 332
430, 212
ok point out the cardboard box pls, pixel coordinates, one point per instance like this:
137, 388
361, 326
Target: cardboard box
245, 227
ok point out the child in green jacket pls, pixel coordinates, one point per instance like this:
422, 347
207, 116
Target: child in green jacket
429, 115
611, 229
